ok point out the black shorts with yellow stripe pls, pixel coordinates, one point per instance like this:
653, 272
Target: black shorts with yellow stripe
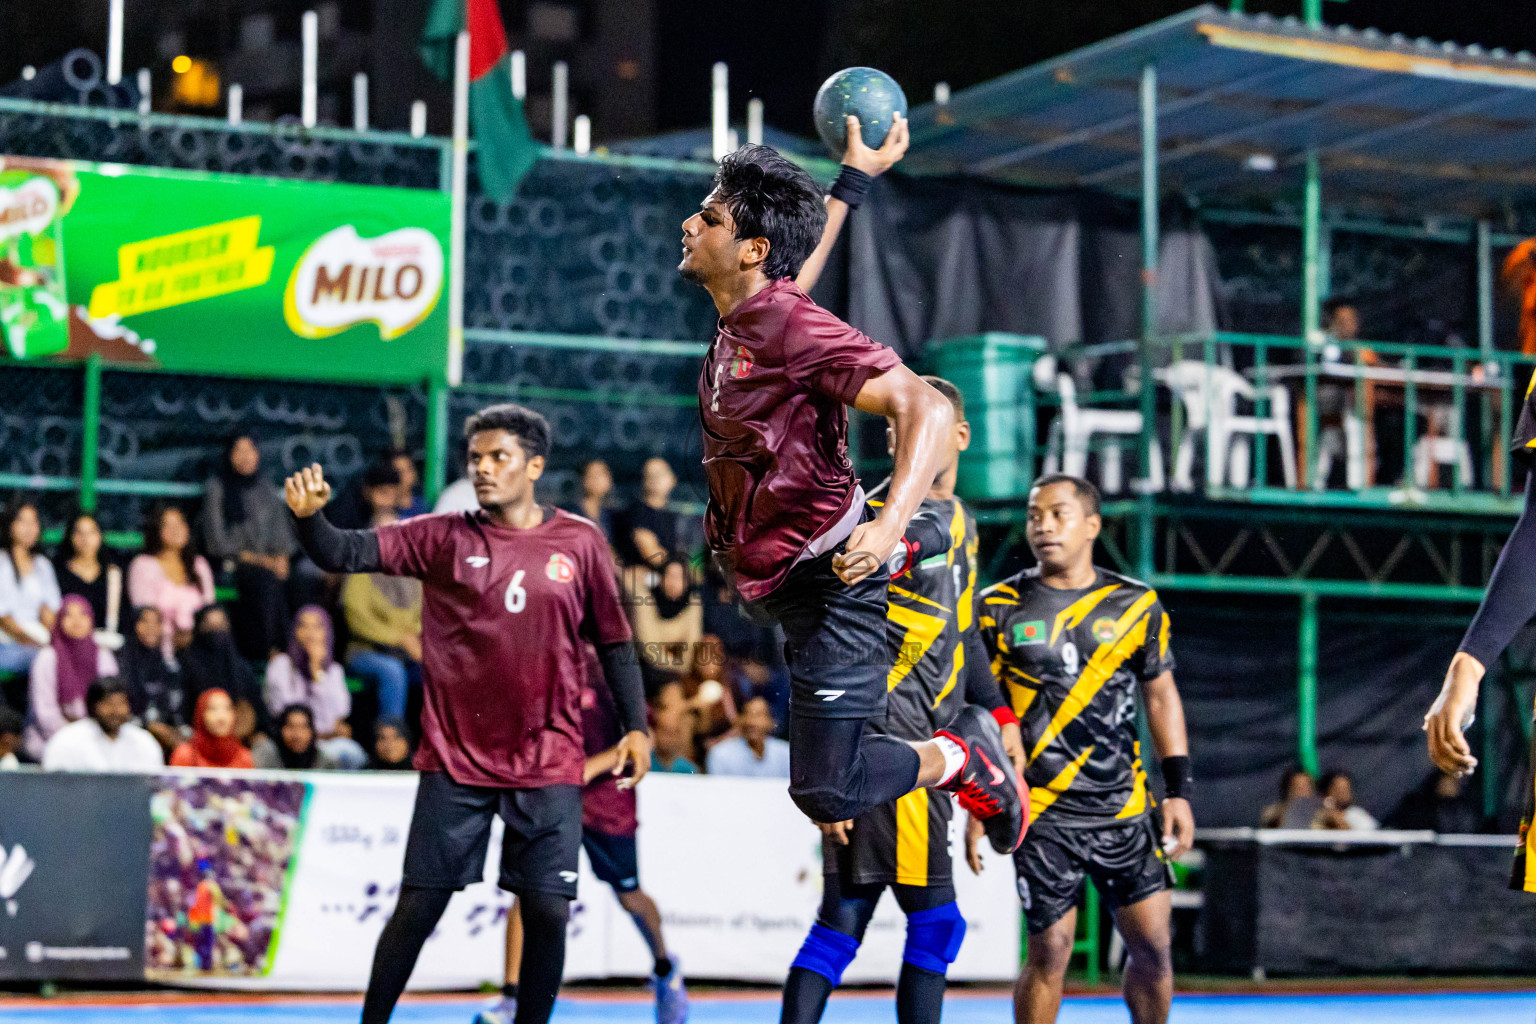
905, 842
1523, 878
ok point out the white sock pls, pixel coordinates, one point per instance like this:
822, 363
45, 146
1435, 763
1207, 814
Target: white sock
954, 758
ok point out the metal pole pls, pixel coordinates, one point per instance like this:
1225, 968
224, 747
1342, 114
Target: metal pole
1312, 13
435, 470
360, 102
90, 431
581, 135
459, 190
236, 103
755, 121
1484, 239
1306, 684
719, 110
1235, 7
1311, 301
115, 42
419, 119
519, 74
146, 91
1149, 245
309, 99
559, 104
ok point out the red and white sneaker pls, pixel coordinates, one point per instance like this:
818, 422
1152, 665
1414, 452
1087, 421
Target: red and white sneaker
986, 785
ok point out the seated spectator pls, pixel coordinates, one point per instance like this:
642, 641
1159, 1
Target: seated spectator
667, 617
64, 671
596, 490
409, 502
1441, 804
247, 530
211, 662
391, 747
384, 618
1339, 810
673, 732
107, 740
29, 590
309, 675
170, 575
214, 743
11, 727
754, 751
371, 500
297, 748
1296, 784
86, 568
154, 685
652, 530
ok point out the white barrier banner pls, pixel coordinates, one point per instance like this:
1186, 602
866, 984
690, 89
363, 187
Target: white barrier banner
733, 865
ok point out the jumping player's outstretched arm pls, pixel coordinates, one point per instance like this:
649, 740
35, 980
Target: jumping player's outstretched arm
1509, 604
333, 550
921, 420
861, 166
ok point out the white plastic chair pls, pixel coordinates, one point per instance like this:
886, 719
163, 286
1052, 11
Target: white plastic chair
1075, 426
1441, 451
1348, 441
1210, 395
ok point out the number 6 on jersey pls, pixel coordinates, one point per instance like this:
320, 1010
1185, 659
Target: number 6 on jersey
517, 597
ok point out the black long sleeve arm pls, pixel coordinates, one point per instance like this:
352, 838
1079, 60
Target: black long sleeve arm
621, 670
338, 550
1511, 598
981, 686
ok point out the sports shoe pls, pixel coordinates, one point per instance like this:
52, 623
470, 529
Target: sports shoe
502, 1011
671, 996
986, 785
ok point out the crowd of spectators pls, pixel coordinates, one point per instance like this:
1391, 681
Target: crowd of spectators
217, 644
1442, 803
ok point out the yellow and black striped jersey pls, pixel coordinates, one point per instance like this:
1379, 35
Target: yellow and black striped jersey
930, 610
1071, 662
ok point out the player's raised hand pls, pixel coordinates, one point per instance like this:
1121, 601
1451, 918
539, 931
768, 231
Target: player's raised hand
1451, 714
838, 830
974, 830
634, 748
875, 162
307, 491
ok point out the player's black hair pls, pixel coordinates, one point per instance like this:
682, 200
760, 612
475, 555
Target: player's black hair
530, 429
1087, 493
381, 474
153, 545
1329, 778
1333, 305
103, 688
770, 197
949, 391
8, 519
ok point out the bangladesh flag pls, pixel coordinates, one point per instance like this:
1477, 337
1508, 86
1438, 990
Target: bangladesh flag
1032, 632
506, 147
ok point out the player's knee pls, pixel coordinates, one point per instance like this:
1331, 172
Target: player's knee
827, 953
544, 913
822, 804
934, 937
1150, 953
1051, 950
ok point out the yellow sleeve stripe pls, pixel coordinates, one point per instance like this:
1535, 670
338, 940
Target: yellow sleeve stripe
999, 601
1072, 616
1162, 638
1001, 588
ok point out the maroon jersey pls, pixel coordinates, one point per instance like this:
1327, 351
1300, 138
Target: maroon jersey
773, 397
505, 616
605, 807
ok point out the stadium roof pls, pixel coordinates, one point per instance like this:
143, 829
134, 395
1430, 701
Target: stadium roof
1402, 127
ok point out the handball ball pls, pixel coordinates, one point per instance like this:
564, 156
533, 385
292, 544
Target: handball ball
868, 94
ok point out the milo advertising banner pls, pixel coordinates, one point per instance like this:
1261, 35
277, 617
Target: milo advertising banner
227, 274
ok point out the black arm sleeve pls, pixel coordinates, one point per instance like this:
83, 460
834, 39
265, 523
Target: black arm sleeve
336, 550
981, 686
1511, 598
621, 670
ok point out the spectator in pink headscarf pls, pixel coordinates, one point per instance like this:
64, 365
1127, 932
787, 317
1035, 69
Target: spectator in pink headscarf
63, 671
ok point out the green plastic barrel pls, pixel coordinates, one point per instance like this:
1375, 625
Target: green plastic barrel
995, 374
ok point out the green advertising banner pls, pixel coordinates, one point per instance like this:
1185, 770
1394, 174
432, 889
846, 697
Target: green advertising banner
205, 273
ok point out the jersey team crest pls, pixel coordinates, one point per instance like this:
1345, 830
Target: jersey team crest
560, 568
1104, 630
742, 364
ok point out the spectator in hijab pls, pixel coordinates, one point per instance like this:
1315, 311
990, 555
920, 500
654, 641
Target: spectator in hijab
391, 747
212, 662
154, 685
86, 568
63, 672
754, 752
247, 529
170, 575
29, 590
297, 747
11, 728
107, 740
1296, 784
409, 501
213, 743
309, 675
667, 616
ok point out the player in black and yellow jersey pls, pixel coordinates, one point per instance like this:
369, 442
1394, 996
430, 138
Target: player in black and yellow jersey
1507, 606
1074, 644
905, 845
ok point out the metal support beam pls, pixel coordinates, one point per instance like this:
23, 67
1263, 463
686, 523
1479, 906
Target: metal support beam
1484, 241
1312, 14
90, 432
1306, 685
1149, 244
435, 472
1311, 303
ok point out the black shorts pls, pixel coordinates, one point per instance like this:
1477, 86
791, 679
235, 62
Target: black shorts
834, 639
1126, 863
451, 831
900, 843
613, 859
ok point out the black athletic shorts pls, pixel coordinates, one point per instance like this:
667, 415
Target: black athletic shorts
1126, 863
834, 639
901, 843
451, 831
613, 859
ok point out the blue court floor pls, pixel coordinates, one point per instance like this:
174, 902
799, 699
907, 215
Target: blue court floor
1492, 1008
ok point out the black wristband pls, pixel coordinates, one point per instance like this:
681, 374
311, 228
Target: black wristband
1178, 778
851, 186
